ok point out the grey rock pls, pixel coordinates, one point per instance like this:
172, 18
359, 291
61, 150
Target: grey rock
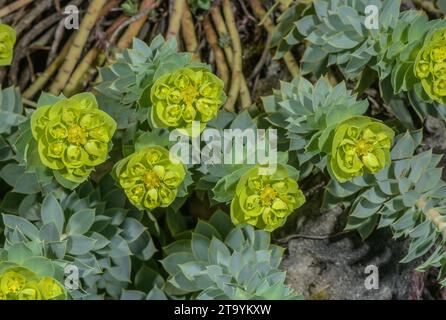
334, 268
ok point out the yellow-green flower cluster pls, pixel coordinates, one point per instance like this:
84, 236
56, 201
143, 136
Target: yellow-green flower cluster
265, 201
430, 66
150, 178
186, 95
360, 144
21, 284
7, 41
73, 136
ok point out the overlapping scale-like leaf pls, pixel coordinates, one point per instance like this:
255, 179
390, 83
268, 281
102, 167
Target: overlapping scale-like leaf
221, 261
309, 113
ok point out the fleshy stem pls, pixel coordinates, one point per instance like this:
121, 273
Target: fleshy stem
189, 34
269, 26
175, 18
29, 103
222, 31
10, 8
77, 46
220, 61
90, 57
237, 65
80, 71
434, 216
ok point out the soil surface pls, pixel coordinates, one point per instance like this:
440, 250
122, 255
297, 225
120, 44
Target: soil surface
324, 263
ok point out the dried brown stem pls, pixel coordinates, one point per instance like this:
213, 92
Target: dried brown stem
79, 42
32, 15
189, 34
136, 25
80, 71
237, 61
269, 26
220, 26
220, 62
43, 78
87, 61
116, 24
13, 19
13, 7
23, 45
175, 18
60, 31
262, 60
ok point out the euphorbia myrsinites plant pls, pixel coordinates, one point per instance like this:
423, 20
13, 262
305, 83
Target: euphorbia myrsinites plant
143, 155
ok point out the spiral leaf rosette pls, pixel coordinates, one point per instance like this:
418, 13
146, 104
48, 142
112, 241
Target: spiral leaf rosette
150, 178
265, 200
225, 262
186, 95
19, 283
360, 144
430, 65
7, 42
73, 136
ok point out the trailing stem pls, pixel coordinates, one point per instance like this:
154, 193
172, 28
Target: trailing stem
269, 26
94, 55
90, 57
237, 61
10, 8
220, 26
175, 18
434, 216
77, 46
189, 34
43, 78
80, 71
220, 61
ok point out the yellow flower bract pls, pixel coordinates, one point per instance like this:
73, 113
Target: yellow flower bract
7, 42
184, 96
265, 201
73, 136
360, 144
149, 178
430, 66
18, 283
